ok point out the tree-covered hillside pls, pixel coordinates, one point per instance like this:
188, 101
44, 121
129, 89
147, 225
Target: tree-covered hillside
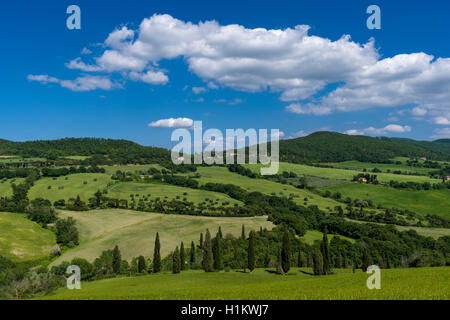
121, 150
336, 147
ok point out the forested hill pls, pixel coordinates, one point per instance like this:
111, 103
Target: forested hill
317, 147
121, 151
334, 147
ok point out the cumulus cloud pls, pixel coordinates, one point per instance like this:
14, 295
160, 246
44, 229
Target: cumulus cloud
442, 121
84, 83
173, 123
198, 90
390, 128
317, 75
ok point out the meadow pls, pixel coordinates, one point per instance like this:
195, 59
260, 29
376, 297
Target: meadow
342, 174
423, 202
22, 239
312, 236
6, 188
357, 165
261, 284
223, 175
123, 190
69, 186
134, 232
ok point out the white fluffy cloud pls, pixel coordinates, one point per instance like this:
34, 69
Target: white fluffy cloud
297, 65
173, 123
391, 128
84, 83
442, 121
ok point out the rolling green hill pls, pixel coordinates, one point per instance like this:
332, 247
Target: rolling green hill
337, 147
400, 284
134, 232
22, 239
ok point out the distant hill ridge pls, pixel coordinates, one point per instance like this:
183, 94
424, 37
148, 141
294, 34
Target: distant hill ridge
317, 147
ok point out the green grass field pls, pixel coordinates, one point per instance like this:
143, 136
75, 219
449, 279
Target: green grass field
131, 168
134, 232
426, 283
73, 186
356, 165
222, 175
333, 173
6, 188
22, 239
424, 202
158, 190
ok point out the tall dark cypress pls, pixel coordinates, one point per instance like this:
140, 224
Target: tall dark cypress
207, 253
157, 255
243, 237
285, 253
201, 241
219, 233
251, 251
300, 260
318, 262
192, 254
182, 257
366, 259
325, 253
117, 260
142, 265
176, 265
217, 252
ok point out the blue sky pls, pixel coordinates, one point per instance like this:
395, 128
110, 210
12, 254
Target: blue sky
308, 81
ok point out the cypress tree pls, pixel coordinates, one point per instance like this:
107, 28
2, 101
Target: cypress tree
117, 260
285, 253
309, 260
182, 257
217, 252
325, 253
176, 265
366, 259
279, 270
201, 241
243, 233
219, 233
192, 254
318, 263
157, 255
251, 251
207, 253
300, 260
141, 264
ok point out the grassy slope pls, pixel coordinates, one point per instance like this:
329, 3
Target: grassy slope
424, 202
124, 190
72, 187
426, 283
222, 175
333, 173
134, 232
356, 165
6, 188
131, 168
23, 239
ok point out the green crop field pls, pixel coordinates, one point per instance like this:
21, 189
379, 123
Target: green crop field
22, 239
134, 232
424, 202
333, 173
426, 283
131, 168
356, 165
222, 175
70, 188
123, 190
